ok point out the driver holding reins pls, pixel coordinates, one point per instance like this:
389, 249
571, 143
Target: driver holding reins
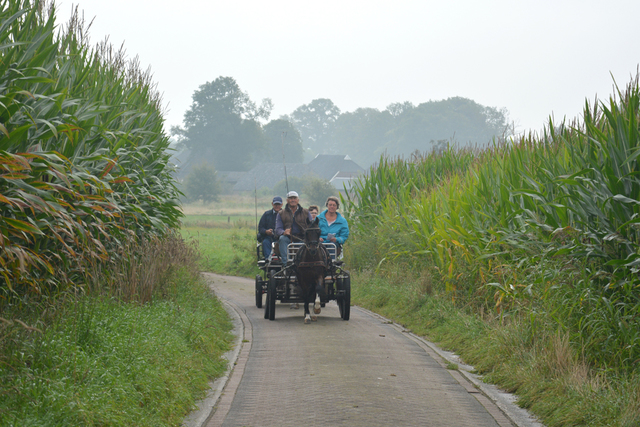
291, 223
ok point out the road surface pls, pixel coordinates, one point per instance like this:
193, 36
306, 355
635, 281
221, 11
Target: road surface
367, 371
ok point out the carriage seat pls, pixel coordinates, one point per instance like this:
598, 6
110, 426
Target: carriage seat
293, 248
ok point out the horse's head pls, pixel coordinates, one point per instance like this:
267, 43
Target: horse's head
312, 236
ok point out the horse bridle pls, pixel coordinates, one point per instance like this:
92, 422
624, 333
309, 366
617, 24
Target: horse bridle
315, 245
312, 243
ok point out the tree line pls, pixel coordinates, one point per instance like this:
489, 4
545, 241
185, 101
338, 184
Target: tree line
224, 128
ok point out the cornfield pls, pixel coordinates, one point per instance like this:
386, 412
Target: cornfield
83, 156
553, 217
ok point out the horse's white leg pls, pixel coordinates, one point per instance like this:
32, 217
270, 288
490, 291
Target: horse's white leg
316, 306
307, 318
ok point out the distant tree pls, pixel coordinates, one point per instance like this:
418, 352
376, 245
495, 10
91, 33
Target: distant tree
457, 119
367, 133
315, 121
202, 184
398, 108
277, 132
440, 145
498, 120
317, 190
362, 132
222, 125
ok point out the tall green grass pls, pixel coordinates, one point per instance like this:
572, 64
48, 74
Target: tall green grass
83, 156
488, 221
540, 231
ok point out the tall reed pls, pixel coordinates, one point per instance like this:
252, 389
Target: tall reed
493, 224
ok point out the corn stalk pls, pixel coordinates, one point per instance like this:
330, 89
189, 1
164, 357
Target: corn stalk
83, 156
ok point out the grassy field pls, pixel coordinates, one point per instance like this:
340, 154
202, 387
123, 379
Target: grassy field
234, 205
218, 221
226, 233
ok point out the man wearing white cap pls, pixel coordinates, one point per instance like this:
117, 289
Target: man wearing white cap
291, 223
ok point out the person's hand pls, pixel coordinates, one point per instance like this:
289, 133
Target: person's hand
287, 232
321, 240
333, 239
269, 232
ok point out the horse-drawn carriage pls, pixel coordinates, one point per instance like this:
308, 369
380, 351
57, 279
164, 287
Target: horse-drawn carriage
311, 270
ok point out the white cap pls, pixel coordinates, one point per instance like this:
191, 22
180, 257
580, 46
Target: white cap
292, 194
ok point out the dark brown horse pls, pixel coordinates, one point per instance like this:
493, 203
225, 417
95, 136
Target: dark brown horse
311, 262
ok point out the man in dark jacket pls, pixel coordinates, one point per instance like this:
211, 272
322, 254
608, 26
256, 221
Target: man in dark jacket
291, 223
267, 226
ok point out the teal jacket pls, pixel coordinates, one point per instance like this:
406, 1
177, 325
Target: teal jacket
340, 228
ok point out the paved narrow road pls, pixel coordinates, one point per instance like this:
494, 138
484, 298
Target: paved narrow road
361, 372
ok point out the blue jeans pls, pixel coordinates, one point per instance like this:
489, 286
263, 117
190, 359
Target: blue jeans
266, 246
283, 244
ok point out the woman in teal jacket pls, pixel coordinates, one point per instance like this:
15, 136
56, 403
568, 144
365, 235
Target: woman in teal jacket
333, 226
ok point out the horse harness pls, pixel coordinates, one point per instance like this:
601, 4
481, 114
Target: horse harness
309, 264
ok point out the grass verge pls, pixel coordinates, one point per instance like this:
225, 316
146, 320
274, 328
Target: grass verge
98, 361
224, 249
518, 354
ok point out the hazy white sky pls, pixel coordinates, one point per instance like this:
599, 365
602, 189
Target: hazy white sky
535, 58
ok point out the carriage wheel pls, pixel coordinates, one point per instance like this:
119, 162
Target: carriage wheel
271, 297
339, 300
258, 291
266, 307
344, 303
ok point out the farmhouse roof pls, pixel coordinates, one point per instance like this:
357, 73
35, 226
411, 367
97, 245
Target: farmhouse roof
328, 165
